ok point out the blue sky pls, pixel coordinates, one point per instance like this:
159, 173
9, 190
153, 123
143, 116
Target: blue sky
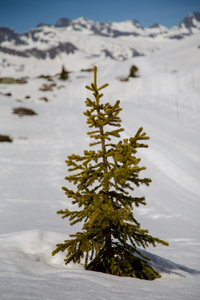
22, 15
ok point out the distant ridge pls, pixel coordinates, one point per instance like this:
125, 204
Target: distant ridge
86, 39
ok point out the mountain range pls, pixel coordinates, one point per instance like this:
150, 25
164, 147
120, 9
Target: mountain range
88, 39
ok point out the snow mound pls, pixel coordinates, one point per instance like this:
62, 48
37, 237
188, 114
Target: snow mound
31, 251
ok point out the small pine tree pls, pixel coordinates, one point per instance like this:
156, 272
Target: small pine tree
64, 75
110, 235
133, 71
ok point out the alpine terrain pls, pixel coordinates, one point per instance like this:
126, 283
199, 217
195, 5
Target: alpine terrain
155, 73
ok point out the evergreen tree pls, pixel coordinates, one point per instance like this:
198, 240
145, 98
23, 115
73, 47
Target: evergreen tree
105, 179
64, 75
133, 71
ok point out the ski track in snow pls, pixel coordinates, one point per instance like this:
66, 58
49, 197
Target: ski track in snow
164, 100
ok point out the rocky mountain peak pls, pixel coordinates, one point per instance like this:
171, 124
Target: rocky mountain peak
137, 24
154, 25
63, 22
7, 34
191, 21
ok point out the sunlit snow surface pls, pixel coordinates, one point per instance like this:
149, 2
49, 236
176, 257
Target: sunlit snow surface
165, 100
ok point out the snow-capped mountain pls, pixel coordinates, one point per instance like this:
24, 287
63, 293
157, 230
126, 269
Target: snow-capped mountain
70, 40
188, 26
191, 21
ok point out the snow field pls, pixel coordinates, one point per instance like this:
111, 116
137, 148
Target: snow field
164, 99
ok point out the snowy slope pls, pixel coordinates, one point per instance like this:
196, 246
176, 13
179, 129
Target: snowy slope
164, 99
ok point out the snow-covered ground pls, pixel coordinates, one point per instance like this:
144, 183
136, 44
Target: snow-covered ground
165, 100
